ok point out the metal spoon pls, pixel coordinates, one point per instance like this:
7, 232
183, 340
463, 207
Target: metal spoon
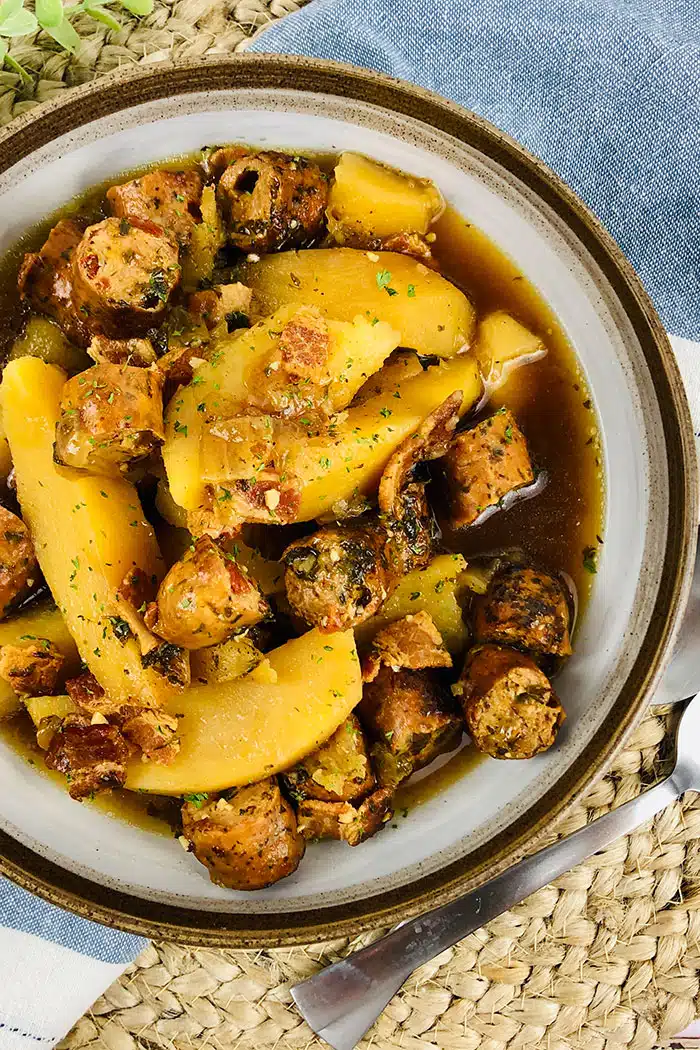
341, 1002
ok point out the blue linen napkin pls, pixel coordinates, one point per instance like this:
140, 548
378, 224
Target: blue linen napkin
53, 966
607, 92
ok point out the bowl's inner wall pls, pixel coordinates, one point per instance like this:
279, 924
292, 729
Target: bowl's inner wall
495, 794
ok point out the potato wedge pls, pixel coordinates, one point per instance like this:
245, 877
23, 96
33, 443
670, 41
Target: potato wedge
337, 468
40, 621
88, 533
238, 732
41, 707
370, 201
434, 590
431, 315
207, 237
503, 344
237, 369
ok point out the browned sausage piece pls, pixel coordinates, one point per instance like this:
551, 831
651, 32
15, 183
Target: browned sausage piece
410, 722
223, 302
411, 532
111, 417
247, 841
92, 757
270, 201
87, 694
18, 565
338, 772
429, 441
526, 608
336, 578
343, 820
136, 352
152, 731
46, 280
205, 598
484, 464
124, 271
509, 705
32, 669
413, 643
168, 198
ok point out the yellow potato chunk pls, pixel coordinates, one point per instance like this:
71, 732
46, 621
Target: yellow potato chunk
371, 201
434, 590
41, 707
431, 315
238, 732
237, 372
336, 468
41, 621
502, 344
207, 237
88, 533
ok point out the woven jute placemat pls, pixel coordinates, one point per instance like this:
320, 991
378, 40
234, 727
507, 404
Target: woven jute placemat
606, 958
176, 29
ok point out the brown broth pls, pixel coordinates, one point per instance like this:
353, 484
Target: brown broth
549, 398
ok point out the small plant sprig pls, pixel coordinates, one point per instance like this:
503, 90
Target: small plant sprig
54, 17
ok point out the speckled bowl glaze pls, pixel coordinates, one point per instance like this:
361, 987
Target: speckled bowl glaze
82, 859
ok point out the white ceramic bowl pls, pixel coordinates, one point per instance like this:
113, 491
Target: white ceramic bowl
81, 858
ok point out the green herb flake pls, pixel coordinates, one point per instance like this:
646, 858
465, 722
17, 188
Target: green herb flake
197, 799
590, 560
411, 291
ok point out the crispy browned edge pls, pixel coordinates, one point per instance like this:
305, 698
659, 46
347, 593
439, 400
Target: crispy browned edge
169, 922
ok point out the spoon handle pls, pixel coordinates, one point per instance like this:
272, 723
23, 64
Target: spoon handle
341, 1002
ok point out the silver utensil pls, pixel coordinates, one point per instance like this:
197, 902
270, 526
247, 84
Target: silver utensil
341, 1002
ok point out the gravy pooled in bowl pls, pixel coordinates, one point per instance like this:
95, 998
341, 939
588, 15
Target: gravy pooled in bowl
311, 490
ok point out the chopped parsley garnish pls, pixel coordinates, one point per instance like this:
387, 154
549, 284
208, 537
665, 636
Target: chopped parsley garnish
590, 559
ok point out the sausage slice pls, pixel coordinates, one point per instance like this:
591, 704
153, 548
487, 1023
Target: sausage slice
509, 705
338, 577
205, 598
170, 199
124, 271
484, 464
525, 608
339, 771
111, 417
410, 721
270, 201
247, 841
18, 564
32, 669
343, 820
46, 280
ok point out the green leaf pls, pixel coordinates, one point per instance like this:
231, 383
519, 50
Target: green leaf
101, 14
138, 7
49, 13
64, 35
14, 64
10, 7
20, 23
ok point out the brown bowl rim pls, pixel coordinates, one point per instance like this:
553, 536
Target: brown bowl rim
171, 922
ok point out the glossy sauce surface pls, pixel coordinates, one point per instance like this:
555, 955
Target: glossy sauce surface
557, 528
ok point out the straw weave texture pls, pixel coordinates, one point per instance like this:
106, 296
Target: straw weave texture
606, 958
176, 29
